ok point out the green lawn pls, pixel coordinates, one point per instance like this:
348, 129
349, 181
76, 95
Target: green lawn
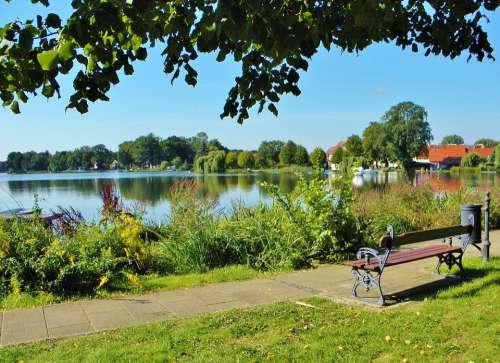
461, 324
145, 284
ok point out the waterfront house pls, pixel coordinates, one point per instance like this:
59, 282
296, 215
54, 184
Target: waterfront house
446, 156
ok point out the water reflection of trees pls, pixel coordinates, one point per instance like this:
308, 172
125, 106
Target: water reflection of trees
153, 189
156, 189
84, 187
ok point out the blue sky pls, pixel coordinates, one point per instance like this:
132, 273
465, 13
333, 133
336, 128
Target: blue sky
341, 94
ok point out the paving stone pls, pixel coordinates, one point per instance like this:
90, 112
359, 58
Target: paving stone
146, 310
22, 326
100, 306
181, 309
59, 315
107, 314
70, 330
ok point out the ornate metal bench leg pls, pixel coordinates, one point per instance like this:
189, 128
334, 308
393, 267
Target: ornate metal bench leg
381, 300
358, 279
458, 262
450, 260
369, 281
438, 266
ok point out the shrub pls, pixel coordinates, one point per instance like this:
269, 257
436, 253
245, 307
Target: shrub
192, 242
497, 156
246, 160
318, 158
214, 162
470, 160
34, 258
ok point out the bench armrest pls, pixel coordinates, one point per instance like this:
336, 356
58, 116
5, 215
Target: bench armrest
366, 253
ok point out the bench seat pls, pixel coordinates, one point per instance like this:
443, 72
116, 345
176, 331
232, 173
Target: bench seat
405, 255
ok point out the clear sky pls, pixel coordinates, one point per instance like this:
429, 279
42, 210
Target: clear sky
341, 94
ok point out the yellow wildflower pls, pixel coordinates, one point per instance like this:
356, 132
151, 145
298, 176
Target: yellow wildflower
102, 281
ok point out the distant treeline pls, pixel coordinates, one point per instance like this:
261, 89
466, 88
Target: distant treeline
181, 153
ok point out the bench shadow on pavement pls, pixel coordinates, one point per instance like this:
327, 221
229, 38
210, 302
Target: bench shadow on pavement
432, 289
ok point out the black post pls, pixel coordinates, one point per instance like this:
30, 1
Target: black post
486, 239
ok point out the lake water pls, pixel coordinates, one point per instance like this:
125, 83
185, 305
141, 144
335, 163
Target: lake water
150, 190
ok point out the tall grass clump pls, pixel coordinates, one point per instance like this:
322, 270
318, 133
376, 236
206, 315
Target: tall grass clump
193, 242
410, 208
315, 223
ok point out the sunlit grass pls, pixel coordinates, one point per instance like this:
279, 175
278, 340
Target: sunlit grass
459, 324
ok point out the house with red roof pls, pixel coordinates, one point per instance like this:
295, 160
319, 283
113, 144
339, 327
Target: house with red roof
446, 156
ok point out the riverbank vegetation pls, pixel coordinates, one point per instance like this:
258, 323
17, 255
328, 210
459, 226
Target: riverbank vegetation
320, 221
151, 152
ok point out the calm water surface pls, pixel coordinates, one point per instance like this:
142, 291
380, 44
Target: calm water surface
150, 191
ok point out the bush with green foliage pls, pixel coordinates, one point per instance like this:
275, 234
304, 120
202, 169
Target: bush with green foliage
214, 162
470, 160
34, 258
246, 160
232, 160
318, 158
497, 156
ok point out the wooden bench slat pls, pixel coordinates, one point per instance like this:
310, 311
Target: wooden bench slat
428, 235
396, 253
403, 256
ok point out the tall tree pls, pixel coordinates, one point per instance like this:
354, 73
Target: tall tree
338, 156
301, 156
175, 146
375, 143
95, 41
246, 160
497, 156
453, 139
199, 143
15, 162
59, 161
318, 159
125, 154
354, 146
102, 157
147, 151
487, 142
270, 151
408, 132
287, 153
232, 160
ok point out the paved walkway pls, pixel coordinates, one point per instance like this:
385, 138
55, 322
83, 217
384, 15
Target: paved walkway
84, 317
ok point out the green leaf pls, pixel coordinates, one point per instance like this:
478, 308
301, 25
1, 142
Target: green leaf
26, 39
48, 59
14, 107
273, 109
48, 91
128, 69
53, 20
141, 53
307, 17
66, 51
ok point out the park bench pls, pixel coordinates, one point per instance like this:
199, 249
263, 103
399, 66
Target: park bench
370, 263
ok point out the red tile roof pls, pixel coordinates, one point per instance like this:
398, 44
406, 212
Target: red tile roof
441, 153
332, 149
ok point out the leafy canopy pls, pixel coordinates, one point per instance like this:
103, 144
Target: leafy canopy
272, 40
453, 139
486, 142
408, 132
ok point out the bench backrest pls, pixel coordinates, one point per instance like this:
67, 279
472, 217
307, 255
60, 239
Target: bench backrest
421, 236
